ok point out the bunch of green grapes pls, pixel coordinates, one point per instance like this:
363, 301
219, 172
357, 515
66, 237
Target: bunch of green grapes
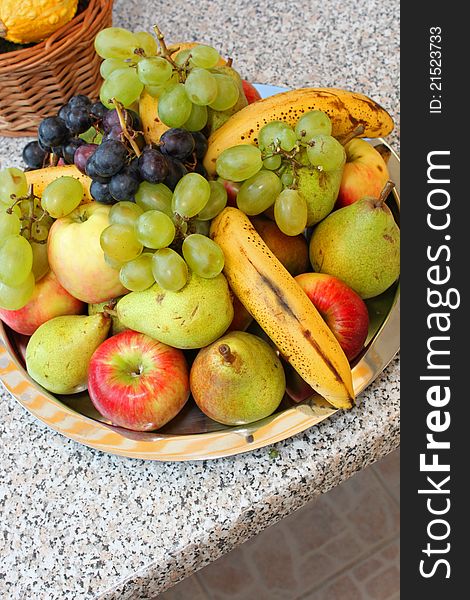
268, 171
25, 222
186, 86
164, 234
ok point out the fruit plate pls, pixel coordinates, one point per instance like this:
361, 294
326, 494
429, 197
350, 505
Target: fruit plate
192, 435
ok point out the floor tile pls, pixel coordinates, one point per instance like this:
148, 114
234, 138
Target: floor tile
188, 589
388, 470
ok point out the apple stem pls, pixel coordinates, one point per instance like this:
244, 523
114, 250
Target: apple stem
226, 353
388, 187
357, 131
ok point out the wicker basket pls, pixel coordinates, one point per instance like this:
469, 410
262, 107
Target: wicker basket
36, 81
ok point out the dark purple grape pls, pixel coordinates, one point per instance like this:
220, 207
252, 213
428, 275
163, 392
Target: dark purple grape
115, 133
63, 111
153, 165
78, 120
200, 144
136, 120
98, 111
177, 143
199, 168
176, 170
92, 171
82, 154
79, 100
52, 131
133, 169
44, 147
110, 158
57, 150
111, 119
34, 156
123, 186
100, 192
69, 149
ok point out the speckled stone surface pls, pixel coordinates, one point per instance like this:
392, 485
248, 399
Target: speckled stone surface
76, 523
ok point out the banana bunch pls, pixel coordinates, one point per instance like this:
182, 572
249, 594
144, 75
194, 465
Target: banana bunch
148, 105
41, 178
282, 309
346, 110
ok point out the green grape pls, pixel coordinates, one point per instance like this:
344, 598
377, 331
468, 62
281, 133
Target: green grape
147, 42
204, 56
155, 229
115, 42
290, 212
277, 133
204, 256
40, 230
14, 298
123, 85
326, 153
12, 183
192, 192
91, 136
201, 87
154, 196
112, 64
169, 269
10, 224
314, 122
197, 119
120, 243
62, 196
228, 92
287, 179
154, 70
272, 163
216, 203
114, 264
136, 275
40, 261
259, 192
157, 90
16, 260
182, 57
174, 106
202, 227
239, 162
124, 213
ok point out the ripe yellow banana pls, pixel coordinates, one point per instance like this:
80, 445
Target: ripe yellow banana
282, 309
41, 178
346, 110
148, 105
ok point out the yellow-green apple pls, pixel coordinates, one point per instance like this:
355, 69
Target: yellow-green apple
76, 257
365, 173
343, 310
137, 382
291, 251
49, 300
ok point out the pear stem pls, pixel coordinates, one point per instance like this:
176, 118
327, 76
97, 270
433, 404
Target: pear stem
226, 353
357, 131
388, 187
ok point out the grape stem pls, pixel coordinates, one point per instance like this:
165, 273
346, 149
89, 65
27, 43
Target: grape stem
125, 130
164, 51
31, 198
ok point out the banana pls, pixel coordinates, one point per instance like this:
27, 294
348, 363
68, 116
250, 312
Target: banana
282, 309
346, 110
148, 105
41, 178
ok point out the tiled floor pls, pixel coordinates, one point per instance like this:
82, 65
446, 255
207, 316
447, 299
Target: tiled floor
343, 546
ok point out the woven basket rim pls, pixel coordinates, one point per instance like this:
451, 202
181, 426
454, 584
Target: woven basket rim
48, 49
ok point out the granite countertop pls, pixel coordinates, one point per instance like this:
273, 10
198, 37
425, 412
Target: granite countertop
77, 523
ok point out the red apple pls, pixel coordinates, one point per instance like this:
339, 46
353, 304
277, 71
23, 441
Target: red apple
137, 382
343, 310
241, 317
76, 257
49, 300
365, 173
232, 188
251, 93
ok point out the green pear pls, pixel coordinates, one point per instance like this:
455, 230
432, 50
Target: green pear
319, 188
238, 379
216, 118
59, 351
192, 317
116, 325
359, 244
